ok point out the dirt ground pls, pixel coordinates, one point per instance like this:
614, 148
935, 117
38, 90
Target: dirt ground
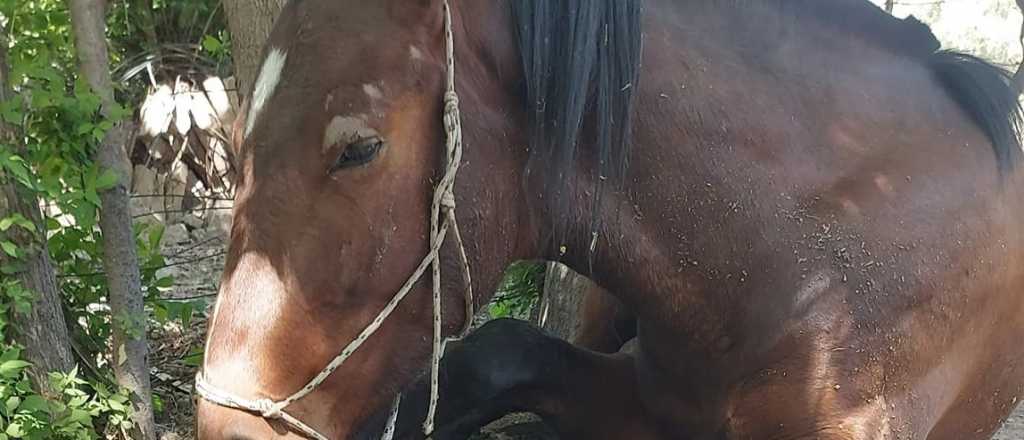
196, 255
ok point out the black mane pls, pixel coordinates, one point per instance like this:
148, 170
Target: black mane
989, 96
860, 18
580, 60
985, 92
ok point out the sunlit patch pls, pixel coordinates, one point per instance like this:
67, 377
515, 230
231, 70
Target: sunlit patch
812, 289
346, 129
884, 184
266, 85
254, 273
871, 420
415, 53
372, 91
843, 137
850, 207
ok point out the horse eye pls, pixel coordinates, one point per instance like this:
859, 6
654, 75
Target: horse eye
359, 152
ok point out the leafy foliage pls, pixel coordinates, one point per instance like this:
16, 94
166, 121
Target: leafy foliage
519, 291
59, 127
72, 413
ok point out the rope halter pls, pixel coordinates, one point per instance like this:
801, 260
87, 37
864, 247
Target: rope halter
442, 221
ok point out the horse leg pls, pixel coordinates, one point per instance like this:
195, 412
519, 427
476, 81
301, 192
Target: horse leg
605, 324
510, 366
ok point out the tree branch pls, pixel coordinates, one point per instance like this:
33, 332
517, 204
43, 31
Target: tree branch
120, 261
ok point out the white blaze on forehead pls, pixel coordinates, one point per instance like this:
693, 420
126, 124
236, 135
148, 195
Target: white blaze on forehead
266, 84
347, 129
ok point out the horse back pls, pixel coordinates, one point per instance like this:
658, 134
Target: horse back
840, 209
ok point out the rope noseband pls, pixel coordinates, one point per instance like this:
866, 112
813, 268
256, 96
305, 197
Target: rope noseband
442, 221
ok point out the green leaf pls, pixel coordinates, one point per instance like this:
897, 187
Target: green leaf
12, 404
52, 224
58, 407
195, 358
101, 389
9, 248
186, 315
86, 127
165, 282
119, 112
34, 403
91, 195
116, 406
15, 430
156, 234
24, 223
11, 112
17, 167
80, 416
16, 220
158, 404
24, 386
10, 355
212, 44
78, 401
160, 313
106, 180
11, 369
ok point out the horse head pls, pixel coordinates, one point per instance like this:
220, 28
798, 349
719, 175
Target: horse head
343, 162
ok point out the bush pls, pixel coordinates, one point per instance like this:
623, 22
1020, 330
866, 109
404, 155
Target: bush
59, 127
71, 413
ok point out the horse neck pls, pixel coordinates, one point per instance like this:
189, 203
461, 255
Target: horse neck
494, 206
512, 219
519, 224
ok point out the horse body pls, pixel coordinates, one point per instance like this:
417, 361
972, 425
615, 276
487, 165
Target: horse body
816, 231
813, 240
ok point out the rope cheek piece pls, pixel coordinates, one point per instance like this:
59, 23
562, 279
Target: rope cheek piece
442, 221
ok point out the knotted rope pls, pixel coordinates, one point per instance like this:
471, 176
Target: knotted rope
442, 220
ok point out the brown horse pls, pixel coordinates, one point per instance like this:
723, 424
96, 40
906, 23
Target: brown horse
817, 229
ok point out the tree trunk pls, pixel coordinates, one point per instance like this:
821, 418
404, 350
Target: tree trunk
558, 310
42, 330
250, 22
574, 308
120, 261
